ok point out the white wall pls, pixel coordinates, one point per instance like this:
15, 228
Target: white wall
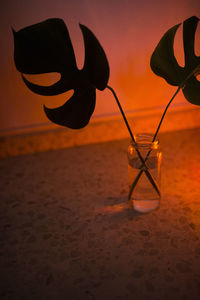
128, 31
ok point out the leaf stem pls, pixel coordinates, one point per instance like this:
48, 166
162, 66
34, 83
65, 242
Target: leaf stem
123, 114
195, 71
155, 135
164, 113
146, 170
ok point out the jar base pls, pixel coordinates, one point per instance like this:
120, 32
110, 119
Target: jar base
145, 205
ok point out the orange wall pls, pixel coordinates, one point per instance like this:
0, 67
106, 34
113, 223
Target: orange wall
128, 31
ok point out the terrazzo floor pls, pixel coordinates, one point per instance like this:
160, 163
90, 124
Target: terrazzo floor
67, 231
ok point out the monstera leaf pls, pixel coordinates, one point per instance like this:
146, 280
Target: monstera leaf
164, 64
46, 47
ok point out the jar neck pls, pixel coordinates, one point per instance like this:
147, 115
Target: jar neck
144, 141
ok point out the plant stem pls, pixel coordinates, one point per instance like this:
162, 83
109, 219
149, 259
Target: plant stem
161, 120
148, 174
194, 72
155, 135
123, 114
164, 113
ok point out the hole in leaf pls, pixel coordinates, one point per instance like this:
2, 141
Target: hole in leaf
58, 100
46, 79
77, 41
178, 47
49, 79
197, 41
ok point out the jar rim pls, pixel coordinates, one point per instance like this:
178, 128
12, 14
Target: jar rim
144, 140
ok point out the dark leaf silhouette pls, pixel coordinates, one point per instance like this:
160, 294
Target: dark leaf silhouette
164, 63
46, 47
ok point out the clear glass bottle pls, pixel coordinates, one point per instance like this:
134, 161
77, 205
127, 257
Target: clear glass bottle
144, 195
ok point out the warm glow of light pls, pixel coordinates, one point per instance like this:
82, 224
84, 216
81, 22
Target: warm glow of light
130, 149
112, 209
140, 89
159, 155
129, 34
156, 145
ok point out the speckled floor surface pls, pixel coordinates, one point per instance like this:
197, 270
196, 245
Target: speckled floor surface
68, 233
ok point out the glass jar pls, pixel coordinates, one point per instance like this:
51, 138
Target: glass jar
144, 177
